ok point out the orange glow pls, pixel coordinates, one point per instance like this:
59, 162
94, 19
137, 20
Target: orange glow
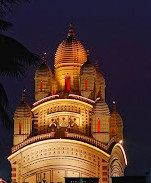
99, 126
41, 86
20, 127
86, 84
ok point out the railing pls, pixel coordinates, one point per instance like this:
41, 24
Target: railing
87, 139
32, 140
68, 135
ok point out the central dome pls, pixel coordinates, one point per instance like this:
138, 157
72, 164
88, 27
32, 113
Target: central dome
69, 58
70, 51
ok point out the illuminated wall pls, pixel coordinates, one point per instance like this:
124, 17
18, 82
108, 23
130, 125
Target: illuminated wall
59, 158
62, 112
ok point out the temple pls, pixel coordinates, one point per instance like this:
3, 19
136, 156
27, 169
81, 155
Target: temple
69, 131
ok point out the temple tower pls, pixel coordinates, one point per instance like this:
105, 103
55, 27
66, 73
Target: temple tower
116, 124
43, 80
69, 57
100, 122
22, 121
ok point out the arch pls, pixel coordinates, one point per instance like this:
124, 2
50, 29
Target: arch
117, 161
53, 124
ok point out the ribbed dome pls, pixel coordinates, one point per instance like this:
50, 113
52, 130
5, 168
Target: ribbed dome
99, 78
70, 51
43, 71
23, 110
115, 118
87, 68
101, 107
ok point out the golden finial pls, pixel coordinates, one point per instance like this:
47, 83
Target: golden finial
23, 95
114, 106
71, 32
97, 65
44, 57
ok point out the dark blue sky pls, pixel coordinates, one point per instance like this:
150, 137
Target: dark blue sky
118, 33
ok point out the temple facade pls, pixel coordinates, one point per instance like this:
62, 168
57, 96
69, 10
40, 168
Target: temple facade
69, 131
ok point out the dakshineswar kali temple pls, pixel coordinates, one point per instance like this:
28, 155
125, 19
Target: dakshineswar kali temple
69, 131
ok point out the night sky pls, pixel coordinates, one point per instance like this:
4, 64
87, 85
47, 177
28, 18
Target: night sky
118, 33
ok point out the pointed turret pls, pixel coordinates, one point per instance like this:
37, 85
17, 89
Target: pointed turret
100, 124
116, 124
87, 78
22, 121
43, 80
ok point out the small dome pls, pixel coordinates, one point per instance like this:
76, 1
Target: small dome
115, 118
23, 110
43, 70
70, 51
87, 68
101, 107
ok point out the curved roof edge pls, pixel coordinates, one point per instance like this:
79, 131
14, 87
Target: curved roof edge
57, 140
71, 97
123, 151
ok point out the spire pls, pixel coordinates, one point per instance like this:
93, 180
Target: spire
71, 31
114, 106
88, 55
97, 65
44, 57
23, 96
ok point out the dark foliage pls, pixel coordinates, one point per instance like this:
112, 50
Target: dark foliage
13, 57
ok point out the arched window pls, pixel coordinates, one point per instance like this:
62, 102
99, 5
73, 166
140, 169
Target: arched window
20, 127
99, 129
68, 83
41, 86
86, 84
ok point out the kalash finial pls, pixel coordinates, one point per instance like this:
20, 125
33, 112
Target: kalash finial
23, 95
44, 57
88, 55
97, 65
114, 105
71, 32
